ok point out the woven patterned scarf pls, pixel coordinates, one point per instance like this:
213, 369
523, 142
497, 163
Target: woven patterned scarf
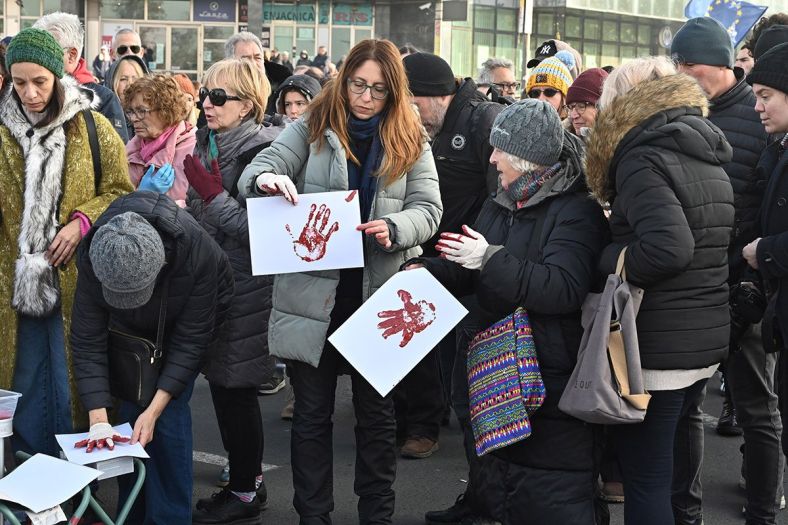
531, 182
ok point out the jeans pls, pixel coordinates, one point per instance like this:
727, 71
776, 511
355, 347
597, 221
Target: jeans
166, 497
312, 443
418, 398
687, 488
41, 376
645, 453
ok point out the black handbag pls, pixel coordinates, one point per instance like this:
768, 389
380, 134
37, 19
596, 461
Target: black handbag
135, 362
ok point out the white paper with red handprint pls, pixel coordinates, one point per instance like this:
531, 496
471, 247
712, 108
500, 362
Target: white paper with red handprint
396, 327
319, 233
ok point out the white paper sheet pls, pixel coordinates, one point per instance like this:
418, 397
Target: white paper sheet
43, 482
81, 457
319, 233
397, 327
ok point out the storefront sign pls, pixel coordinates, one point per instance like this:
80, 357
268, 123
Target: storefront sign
289, 13
214, 10
357, 15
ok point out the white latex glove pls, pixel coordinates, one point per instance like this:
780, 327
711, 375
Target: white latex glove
466, 250
278, 185
101, 435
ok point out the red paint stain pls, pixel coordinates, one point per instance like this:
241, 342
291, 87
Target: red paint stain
311, 243
411, 319
351, 196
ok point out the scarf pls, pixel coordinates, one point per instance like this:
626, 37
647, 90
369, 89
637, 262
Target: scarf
366, 147
149, 148
213, 148
530, 183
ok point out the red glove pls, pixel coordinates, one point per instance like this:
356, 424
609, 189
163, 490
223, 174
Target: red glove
208, 185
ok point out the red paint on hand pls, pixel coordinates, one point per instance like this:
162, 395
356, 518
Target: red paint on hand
311, 244
411, 319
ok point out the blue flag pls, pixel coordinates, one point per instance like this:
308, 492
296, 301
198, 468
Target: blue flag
736, 17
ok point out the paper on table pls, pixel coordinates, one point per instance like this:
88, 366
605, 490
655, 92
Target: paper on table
319, 233
81, 457
42, 482
391, 332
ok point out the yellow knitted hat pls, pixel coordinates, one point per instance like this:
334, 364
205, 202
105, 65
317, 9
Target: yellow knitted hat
552, 72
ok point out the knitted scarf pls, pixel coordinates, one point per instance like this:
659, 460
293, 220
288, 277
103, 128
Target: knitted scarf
365, 145
530, 183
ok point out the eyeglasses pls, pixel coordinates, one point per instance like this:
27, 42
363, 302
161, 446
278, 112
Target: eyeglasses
138, 113
580, 107
507, 85
378, 91
217, 96
548, 92
122, 50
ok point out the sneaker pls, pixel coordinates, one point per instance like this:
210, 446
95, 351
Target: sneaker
728, 425
287, 410
418, 448
272, 385
454, 514
224, 476
612, 492
225, 508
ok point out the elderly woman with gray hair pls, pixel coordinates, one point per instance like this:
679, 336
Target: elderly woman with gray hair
534, 245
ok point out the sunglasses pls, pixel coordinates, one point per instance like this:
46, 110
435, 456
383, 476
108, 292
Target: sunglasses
217, 96
548, 92
123, 49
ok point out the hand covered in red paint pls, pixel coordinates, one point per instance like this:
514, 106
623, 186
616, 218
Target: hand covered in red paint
278, 185
101, 435
466, 250
311, 244
207, 184
411, 319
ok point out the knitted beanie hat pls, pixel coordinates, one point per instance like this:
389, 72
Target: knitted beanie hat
771, 69
36, 46
529, 129
587, 87
772, 36
552, 72
703, 40
127, 255
429, 75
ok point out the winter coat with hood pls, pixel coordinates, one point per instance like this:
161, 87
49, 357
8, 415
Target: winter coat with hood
543, 257
61, 152
411, 205
199, 293
658, 162
239, 360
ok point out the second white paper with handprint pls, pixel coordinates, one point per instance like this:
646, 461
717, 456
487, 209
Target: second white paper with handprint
319, 233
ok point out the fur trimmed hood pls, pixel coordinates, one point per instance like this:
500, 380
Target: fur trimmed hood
653, 113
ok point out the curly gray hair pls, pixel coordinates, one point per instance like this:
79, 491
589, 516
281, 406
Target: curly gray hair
490, 65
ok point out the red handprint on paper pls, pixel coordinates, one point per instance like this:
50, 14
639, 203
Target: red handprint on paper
411, 319
311, 244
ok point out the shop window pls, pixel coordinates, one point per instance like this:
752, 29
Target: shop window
644, 35
572, 26
677, 9
211, 52
625, 6
484, 17
591, 29
605, 5
169, 10
545, 24
362, 34
644, 7
484, 47
627, 33
31, 8
305, 39
610, 30
283, 41
184, 55
591, 55
609, 55
217, 32
643, 51
505, 47
123, 9
628, 53
340, 41
507, 20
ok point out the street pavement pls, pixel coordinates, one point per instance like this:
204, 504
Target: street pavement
426, 484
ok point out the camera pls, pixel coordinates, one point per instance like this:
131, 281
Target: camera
747, 304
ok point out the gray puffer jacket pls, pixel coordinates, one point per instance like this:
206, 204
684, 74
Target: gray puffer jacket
239, 359
302, 302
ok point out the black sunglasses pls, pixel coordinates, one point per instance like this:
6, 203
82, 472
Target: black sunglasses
217, 96
134, 49
548, 92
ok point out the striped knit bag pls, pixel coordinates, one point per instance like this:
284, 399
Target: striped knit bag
505, 384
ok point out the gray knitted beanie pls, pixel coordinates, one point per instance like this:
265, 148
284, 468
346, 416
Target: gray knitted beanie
127, 255
529, 129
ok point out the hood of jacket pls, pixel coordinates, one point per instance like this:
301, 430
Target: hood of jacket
109, 79
654, 113
306, 85
738, 94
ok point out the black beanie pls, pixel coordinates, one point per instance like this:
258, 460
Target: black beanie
429, 75
771, 69
770, 37
703, 40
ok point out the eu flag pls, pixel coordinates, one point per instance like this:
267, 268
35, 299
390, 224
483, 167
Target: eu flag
737, 17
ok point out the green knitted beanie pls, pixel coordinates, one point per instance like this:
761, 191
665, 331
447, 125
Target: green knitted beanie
36, 46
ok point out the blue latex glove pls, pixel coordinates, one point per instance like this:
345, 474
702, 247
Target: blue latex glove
159, 181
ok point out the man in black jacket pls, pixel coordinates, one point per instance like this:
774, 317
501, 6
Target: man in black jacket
704, 51
142, 247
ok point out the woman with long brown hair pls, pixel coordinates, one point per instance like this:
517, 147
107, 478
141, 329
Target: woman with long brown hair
361, 134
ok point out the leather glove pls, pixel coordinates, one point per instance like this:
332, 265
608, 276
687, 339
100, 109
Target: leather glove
159, 181
101, 435
466, 250
207, 184
278, 185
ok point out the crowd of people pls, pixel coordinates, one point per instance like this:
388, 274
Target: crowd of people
123, 219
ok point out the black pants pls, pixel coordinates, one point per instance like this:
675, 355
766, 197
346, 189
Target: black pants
312, 443
241, 427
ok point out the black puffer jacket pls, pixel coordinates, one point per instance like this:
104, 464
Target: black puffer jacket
462, 156
658, 161
200, 290
240, 357
734, 113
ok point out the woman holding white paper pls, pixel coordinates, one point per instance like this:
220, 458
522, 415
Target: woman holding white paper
359, 134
